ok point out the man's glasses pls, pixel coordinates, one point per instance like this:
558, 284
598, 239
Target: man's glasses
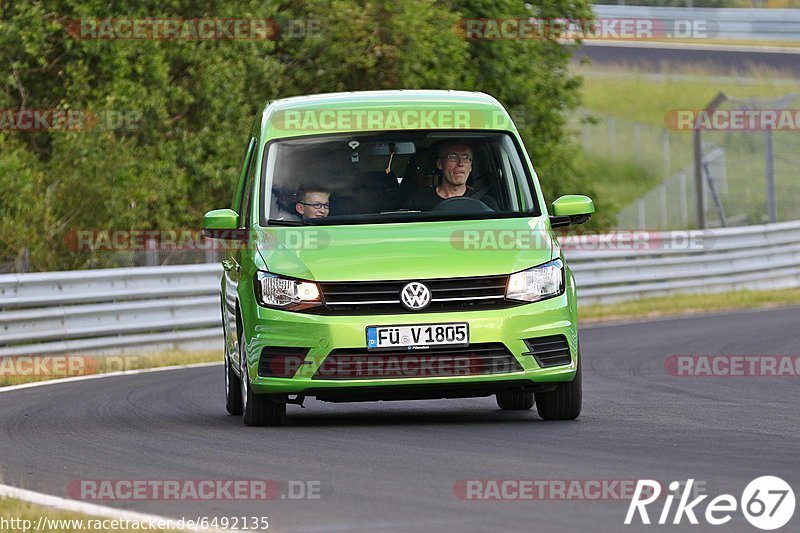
455, 158
318, 205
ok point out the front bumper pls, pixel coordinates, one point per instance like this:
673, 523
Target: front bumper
322, 334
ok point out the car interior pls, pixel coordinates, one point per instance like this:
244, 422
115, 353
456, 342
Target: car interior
371, 176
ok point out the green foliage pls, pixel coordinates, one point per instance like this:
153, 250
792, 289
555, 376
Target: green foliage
192, 101
616, 183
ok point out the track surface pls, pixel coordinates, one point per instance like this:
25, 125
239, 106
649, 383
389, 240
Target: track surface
657, 58
392, 466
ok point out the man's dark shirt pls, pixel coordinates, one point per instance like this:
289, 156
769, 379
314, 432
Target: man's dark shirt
427, 199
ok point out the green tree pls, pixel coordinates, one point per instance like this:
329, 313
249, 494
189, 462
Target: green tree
192, 99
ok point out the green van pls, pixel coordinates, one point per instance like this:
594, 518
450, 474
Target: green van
395, 245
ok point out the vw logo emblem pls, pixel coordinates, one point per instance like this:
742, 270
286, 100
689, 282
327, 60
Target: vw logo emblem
415, 296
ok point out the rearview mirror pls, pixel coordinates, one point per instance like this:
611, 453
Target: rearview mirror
398, 148
221, 224
571, 209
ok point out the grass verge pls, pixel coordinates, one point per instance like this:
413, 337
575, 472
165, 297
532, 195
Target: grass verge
23, 516
688, 304
645, 97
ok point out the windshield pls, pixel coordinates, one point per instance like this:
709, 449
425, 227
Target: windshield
394, 177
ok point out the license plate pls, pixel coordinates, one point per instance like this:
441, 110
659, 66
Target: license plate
417, 336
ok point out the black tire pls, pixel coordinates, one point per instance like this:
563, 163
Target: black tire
257, 409
514, 400
233, 390
564, 403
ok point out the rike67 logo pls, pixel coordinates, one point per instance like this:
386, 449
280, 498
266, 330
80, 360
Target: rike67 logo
767, 503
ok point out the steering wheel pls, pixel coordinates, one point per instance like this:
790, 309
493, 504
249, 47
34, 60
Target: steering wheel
462, 204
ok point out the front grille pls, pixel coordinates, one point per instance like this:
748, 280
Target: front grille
475, 359
280, 362
549, 351
383, 297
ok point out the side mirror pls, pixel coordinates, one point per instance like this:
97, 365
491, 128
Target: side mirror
571, 209
221, 224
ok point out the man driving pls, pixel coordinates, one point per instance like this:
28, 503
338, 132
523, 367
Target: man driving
454, 160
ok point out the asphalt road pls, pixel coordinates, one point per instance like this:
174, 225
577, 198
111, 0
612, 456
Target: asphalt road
656, 57
393, 466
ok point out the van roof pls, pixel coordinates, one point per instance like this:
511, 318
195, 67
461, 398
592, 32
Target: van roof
382, 111
384, 97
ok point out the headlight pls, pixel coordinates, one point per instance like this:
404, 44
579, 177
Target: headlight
286, 293
537, 283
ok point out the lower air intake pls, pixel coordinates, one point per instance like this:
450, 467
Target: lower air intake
549, 351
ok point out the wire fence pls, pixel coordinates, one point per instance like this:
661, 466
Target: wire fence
763, 182
749, 175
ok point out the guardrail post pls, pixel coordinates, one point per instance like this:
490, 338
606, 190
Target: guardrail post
684, 199
772, 210
151, 254
211, 250
23, 261
698, 162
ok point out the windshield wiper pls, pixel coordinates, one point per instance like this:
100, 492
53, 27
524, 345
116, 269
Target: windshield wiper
275, 222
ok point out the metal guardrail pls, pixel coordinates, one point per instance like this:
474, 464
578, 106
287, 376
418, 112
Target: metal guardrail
748, 257
91, 310
723, 23
117, 309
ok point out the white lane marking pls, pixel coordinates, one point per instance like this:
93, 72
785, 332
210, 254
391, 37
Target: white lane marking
695, 46
11, 388
90, 509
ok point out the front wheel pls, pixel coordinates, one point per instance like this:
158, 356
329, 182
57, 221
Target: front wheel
514, 400
233, 390
564, 403
258, 409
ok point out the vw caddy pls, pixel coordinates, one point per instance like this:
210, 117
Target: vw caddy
394, 245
